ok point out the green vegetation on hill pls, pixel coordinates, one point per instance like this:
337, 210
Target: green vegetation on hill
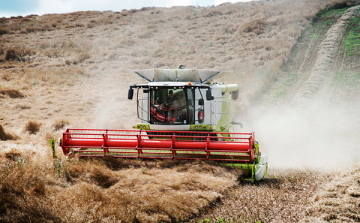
347, 78
283, 90
327, 18
324, 21
348, 73
334, 13
346, 67
352, 41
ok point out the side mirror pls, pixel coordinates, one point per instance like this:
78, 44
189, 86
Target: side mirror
235, 95
130, 94
209, 96
201, 101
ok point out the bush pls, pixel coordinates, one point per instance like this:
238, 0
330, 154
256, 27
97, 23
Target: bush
256, 26
12, 93
6, 136
32, 127
12, 54
16, 54
30, 29
3, 31
60, 124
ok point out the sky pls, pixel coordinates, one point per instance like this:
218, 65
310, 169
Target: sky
26, 7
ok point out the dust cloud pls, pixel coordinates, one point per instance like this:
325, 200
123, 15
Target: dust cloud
112, 109
315, 136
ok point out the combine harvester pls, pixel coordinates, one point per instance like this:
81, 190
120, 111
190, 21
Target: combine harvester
183, 116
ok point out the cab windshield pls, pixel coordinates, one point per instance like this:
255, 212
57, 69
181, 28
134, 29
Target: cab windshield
172, 106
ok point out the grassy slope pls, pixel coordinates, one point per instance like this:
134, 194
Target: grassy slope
348, 73
303, 55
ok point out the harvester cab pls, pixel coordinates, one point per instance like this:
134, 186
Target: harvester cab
182, 100
182, 116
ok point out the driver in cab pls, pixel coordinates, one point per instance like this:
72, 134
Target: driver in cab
170, 101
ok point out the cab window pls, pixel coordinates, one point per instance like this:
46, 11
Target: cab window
172, 106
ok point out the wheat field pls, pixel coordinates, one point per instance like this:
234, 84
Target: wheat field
73, 70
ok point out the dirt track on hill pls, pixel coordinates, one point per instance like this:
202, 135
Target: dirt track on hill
324, 69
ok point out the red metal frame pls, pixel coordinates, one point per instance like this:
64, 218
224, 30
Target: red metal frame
144, 144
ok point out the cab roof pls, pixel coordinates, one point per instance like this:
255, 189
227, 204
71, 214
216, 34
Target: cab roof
178, 75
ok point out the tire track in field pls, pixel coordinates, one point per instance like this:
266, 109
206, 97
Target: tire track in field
338, 199
322, 72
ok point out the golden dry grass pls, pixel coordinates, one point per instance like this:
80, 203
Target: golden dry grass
338, 201
23, 189
279, 198
76, 76
97, 193
147, 193
153, 191
60, 124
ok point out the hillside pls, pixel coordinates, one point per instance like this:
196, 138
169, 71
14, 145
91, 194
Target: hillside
296, 63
